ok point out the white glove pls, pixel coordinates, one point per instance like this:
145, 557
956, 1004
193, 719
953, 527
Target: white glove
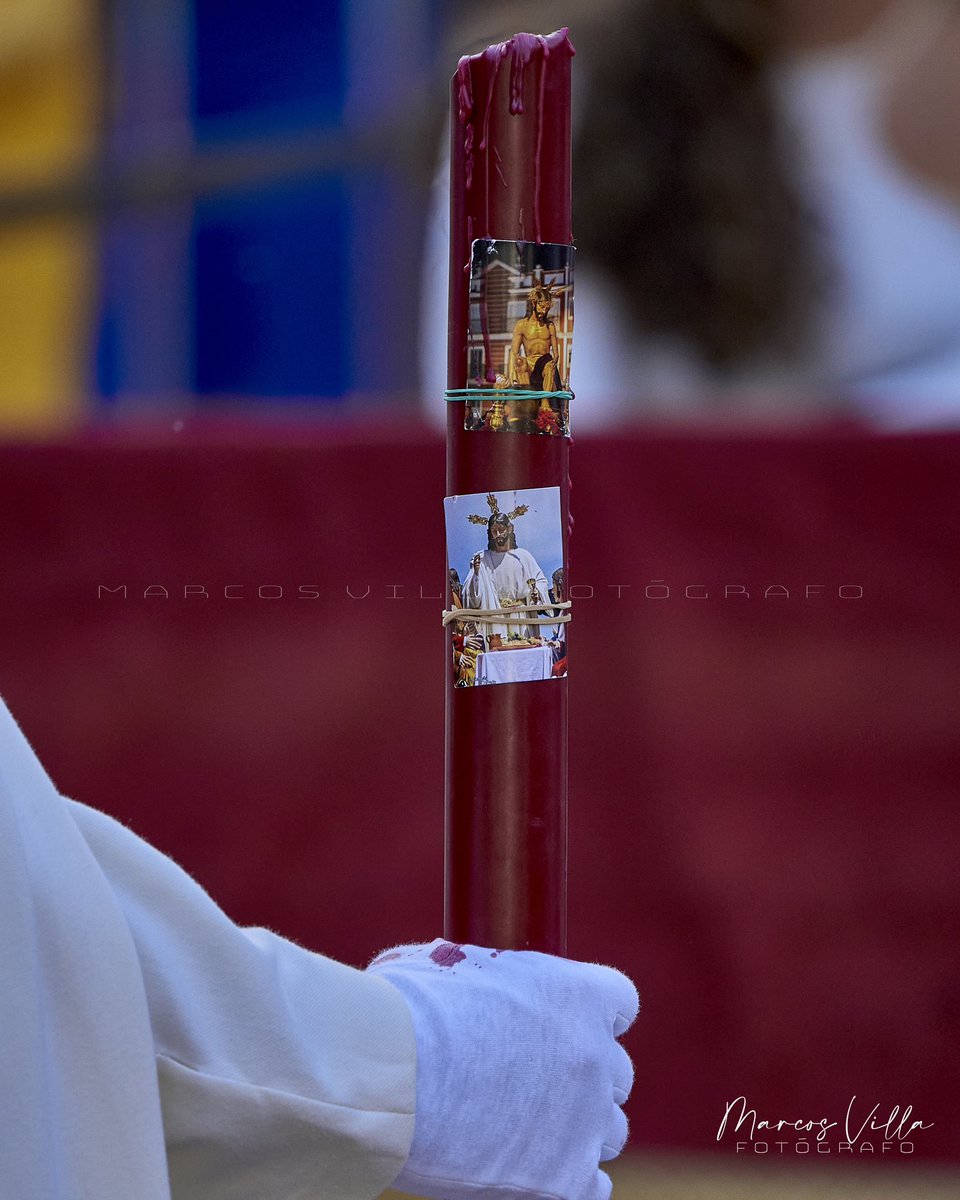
519, 1075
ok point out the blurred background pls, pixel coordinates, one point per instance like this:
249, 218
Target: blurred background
208, 203
222, 311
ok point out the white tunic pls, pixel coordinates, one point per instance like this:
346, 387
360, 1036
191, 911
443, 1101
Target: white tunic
150, 1048
503, 578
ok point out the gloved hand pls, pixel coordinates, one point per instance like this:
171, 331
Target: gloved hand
519, 1075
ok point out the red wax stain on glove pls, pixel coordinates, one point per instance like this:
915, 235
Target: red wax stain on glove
382, 958
447, 955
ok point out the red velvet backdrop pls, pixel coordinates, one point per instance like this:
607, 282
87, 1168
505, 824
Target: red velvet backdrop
764, 821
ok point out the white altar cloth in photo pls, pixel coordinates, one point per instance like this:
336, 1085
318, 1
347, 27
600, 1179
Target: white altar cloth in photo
514, 666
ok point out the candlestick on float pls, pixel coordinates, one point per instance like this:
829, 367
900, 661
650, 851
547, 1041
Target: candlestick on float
506, 745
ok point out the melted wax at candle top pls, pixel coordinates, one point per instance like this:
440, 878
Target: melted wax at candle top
521, 49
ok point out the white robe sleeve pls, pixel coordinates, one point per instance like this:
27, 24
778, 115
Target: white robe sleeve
152, 1048
481, 592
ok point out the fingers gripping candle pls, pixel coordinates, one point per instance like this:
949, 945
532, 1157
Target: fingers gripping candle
510, 327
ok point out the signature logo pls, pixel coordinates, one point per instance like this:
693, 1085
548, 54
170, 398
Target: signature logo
859, 1132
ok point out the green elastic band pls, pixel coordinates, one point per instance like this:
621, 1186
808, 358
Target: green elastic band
503, 393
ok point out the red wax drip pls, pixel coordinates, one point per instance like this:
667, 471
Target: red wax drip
506, 761
466, 265
465, 111
539, 155
496, 60
447, 955
522, 47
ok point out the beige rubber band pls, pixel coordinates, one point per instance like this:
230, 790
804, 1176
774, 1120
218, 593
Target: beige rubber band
509, 616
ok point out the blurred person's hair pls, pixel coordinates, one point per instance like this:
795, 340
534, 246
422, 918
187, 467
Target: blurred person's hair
682, 184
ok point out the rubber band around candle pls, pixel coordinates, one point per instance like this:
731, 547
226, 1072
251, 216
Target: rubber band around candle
502, 616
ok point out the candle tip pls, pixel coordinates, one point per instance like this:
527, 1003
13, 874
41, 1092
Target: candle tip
523, 44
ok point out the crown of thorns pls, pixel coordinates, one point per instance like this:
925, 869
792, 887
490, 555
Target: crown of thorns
492, 503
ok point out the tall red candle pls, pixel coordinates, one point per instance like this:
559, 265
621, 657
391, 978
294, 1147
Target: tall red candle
506, 745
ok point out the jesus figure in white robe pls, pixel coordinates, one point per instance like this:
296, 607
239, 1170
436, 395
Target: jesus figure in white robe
505, 576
